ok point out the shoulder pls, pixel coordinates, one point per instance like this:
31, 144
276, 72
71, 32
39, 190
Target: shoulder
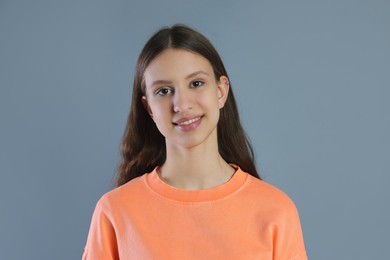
120, 195
269, 197
275, 208
279, 213
266, 190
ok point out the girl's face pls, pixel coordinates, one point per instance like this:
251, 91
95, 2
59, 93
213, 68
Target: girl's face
184, 98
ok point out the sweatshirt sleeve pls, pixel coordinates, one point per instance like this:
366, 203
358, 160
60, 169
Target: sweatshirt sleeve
101, 242
288, 237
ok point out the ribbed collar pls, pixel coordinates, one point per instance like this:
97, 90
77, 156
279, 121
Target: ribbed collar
153, 182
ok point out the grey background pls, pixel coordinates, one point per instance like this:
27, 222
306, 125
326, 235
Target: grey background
311, 79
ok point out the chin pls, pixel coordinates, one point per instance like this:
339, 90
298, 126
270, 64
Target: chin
196, 141
190, 143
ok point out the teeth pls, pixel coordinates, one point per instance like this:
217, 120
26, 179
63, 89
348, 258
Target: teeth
189, 121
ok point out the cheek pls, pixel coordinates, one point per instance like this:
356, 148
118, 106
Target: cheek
160, 111
211, 101
162, 122
157, 106
208, 94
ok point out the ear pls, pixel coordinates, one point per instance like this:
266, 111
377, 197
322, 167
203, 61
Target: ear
146, 106
223, 90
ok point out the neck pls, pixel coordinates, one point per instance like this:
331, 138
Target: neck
195, 168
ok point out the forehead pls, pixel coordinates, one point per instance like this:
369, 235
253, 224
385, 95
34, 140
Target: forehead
176, 64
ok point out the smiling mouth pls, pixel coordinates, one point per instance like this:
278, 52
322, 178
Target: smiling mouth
188, 122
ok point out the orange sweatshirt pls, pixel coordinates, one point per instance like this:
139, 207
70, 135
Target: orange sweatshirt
244, 218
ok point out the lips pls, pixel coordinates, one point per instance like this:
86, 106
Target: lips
185, 121
188, 123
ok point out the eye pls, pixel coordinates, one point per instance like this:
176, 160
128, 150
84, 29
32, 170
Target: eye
163, 91
197, 83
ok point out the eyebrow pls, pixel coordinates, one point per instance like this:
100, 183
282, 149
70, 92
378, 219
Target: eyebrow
196, 73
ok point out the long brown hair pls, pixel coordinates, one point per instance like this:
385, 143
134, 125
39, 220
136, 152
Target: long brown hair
143, 146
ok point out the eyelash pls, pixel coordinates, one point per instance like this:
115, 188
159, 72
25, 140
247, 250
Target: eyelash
159, 92
197, 81
194, 84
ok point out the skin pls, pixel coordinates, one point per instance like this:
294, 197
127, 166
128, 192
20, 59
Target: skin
181, 87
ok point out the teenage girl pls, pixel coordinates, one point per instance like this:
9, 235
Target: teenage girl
187, 185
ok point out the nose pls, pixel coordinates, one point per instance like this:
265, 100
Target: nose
182, 101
